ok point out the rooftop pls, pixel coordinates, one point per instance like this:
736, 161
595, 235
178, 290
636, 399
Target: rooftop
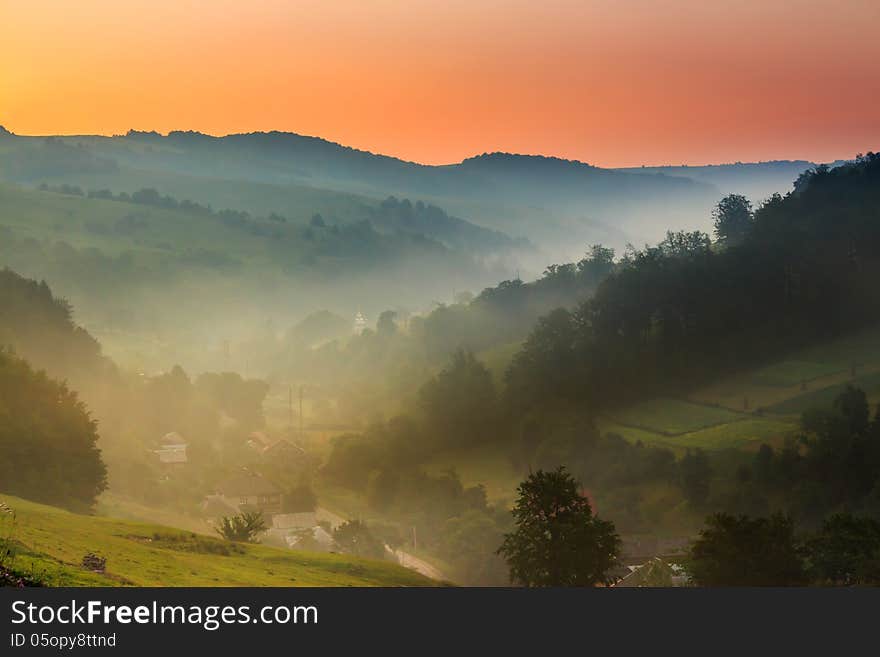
247, 484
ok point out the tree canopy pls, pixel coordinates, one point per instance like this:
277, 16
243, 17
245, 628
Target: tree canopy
48, 441
354, 537
557, 541
245, 527
733, 218
743, 551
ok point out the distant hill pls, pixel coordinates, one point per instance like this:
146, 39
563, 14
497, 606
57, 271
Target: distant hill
548, 200
756, 180
560, 205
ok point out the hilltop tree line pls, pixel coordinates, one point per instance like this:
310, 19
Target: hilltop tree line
390, 216
428, 219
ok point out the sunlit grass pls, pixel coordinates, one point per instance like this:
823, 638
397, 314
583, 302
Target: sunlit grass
673, 416
53, 543
793, 372
824, 397
735, 434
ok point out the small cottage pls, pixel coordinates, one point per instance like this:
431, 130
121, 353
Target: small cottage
281, 450
248, 491
172, 450
294, 521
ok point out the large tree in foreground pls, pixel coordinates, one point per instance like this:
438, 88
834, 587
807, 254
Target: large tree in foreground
558, 541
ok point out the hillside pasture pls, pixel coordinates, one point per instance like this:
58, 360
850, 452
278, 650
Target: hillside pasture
51, 544
670, 417
742, 433
793, 372
824, 397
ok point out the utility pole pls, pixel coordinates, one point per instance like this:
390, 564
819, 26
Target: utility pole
415, 545
290, 405
301, 412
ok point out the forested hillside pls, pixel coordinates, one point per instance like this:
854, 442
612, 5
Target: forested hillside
800, 270
41, 329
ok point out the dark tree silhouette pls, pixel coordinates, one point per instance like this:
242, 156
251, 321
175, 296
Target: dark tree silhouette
386, 326
733, 218
558, 541
743, 551
696, 475
845, 552
48, 450
354, 537
460, 401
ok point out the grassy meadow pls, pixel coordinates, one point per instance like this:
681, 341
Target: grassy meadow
51, 543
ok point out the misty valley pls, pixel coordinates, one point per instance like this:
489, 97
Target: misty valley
272, 360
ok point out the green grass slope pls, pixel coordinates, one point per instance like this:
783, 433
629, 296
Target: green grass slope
756, 406
51, 543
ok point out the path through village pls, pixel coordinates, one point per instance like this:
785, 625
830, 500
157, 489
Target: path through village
405, 559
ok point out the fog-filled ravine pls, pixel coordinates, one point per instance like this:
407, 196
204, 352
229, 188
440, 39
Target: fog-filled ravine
278, 339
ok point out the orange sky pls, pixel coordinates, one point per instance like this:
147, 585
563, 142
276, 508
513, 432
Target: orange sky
611, 82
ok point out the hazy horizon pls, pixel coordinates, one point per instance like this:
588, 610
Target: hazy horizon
635, 165
728, 82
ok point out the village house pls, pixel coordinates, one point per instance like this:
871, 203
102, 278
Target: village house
656, 572
247, 491
294, 521
172, 451
284, 451
279, 450
320, 539
301, 531
258, 441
